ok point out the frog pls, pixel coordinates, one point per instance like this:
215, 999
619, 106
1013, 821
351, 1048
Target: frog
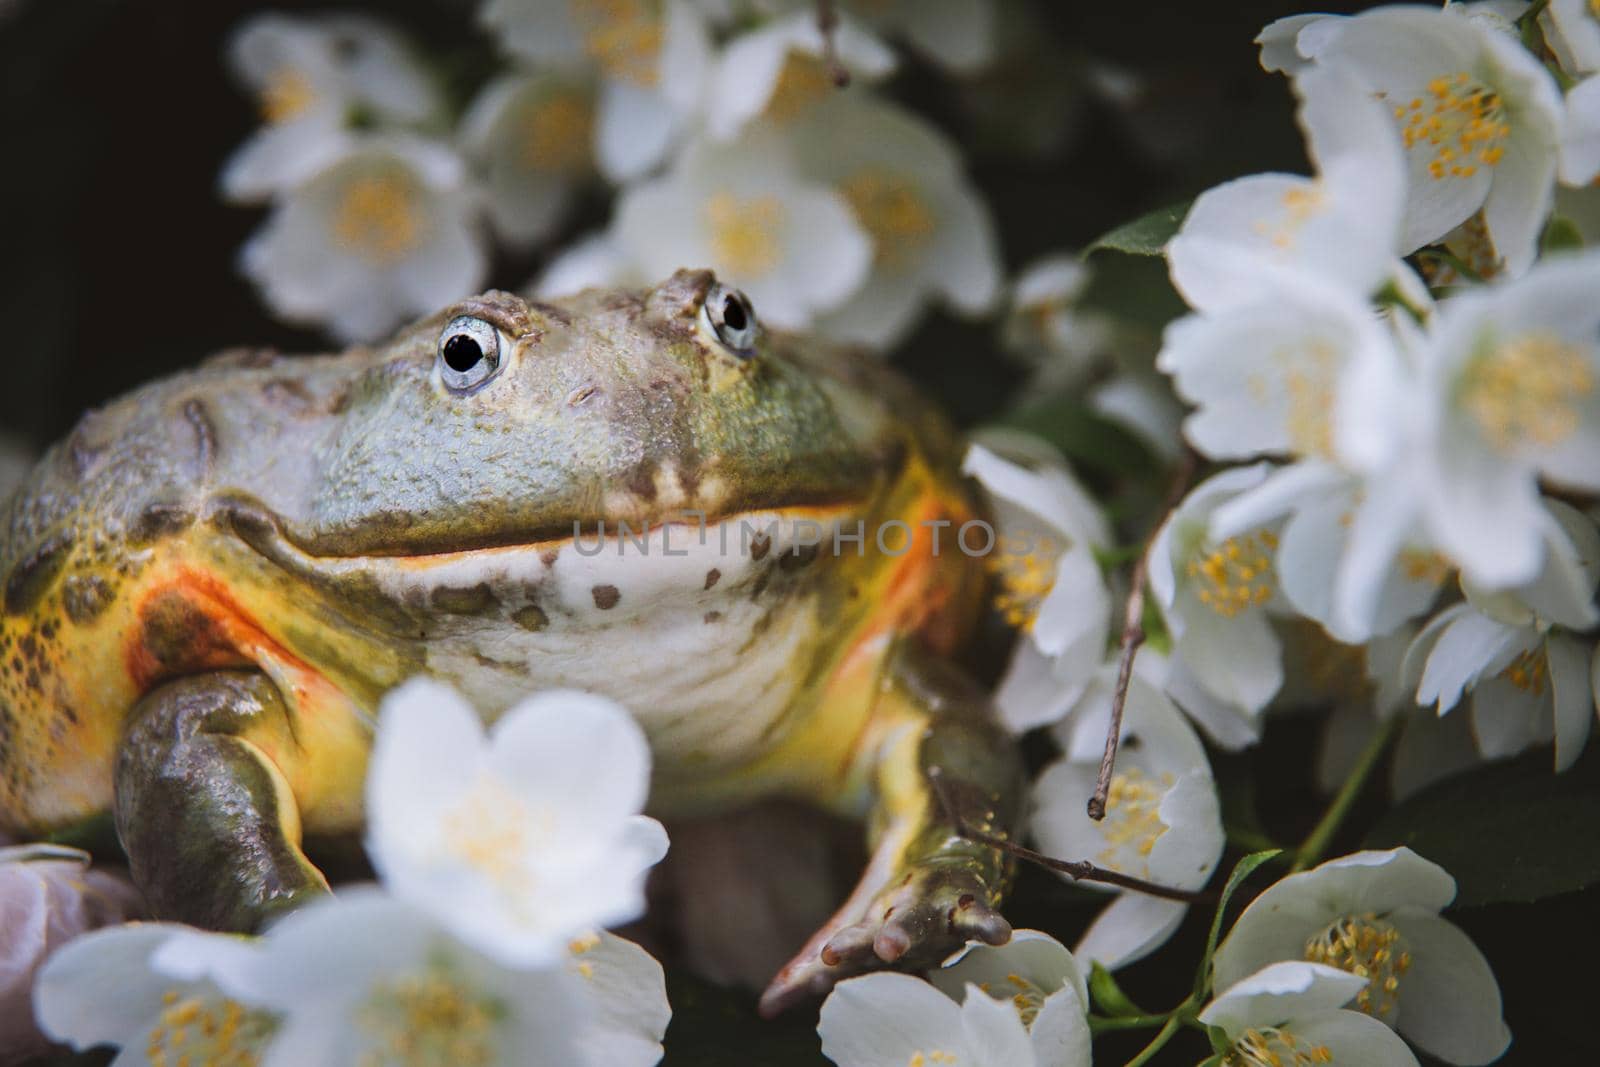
754, 541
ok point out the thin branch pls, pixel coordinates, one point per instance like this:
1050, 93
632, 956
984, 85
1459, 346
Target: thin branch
1077, 870
1133, 636
828, 24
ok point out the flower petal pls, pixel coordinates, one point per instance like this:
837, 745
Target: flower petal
1449, 1000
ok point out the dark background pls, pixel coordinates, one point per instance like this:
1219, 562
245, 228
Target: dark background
117, 263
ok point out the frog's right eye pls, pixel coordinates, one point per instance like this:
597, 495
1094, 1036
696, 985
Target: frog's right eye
469, 353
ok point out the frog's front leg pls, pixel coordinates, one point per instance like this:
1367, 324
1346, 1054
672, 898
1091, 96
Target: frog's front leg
205, 814
927, 890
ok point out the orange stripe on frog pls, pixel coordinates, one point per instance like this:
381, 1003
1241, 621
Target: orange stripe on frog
193, 622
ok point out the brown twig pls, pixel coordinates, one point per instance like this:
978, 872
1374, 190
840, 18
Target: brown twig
828, 23
1077, 870
1133, 636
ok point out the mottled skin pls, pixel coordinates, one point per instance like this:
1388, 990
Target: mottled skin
210, 584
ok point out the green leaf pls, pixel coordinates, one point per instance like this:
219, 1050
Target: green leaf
1511, 832
1088, 438
1108, 996
1144, 236
1134, 289
1561, 234
1241, 870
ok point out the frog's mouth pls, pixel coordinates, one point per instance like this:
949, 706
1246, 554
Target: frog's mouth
567, 563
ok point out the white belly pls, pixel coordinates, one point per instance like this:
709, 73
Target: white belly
707, 648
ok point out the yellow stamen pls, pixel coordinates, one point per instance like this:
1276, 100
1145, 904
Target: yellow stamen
1275, 1046
430, 1018
1236, 575
1133, 819
379, 218
802, 83
1423, 565
1025, 567
493, 830
1528, 391
1300, 205
287, 94
1308, 379
1529, 672
1461, 120
623, 36
746, 235
557, 132
890, 207
195, 1027
1370, 948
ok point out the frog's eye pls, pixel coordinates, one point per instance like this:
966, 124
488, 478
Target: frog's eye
728, 313
469, 353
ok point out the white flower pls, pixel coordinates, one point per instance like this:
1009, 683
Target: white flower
157, 990
1318, 563
594, 260
1037, 976
1043, 322
777, 71
534, 136
1162, 820
1479, 116
1572, 30
1279, 50
626, 989
1527, 675
48, 895
1214, 594
1050, 584
891, 1020
364, 976
1376, 915
521, 842
1293, 1014
1580, 138
1141, 401
960, 34
1509, 393
744, 210
1341, 227
931, 231
652, 58
310, 74
383, 234
1289, 372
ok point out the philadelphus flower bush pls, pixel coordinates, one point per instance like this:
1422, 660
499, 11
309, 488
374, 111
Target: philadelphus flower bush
442, 963
1347, 493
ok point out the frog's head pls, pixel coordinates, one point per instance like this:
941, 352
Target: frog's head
505, 422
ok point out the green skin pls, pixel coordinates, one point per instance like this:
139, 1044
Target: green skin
212, 582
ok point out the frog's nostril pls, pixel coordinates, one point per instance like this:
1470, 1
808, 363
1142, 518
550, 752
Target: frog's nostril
581, 395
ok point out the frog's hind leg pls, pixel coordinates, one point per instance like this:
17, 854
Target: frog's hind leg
203, 809
927, 890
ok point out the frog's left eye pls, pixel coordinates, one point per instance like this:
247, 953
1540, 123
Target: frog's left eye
729, 315
469, 353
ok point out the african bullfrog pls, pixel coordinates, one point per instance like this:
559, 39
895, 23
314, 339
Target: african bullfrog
749, 540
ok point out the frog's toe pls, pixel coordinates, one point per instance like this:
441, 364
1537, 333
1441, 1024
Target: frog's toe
935, 910
914, 925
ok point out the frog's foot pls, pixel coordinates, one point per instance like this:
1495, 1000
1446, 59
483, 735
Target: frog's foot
211, 829
928, 889
929, 912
